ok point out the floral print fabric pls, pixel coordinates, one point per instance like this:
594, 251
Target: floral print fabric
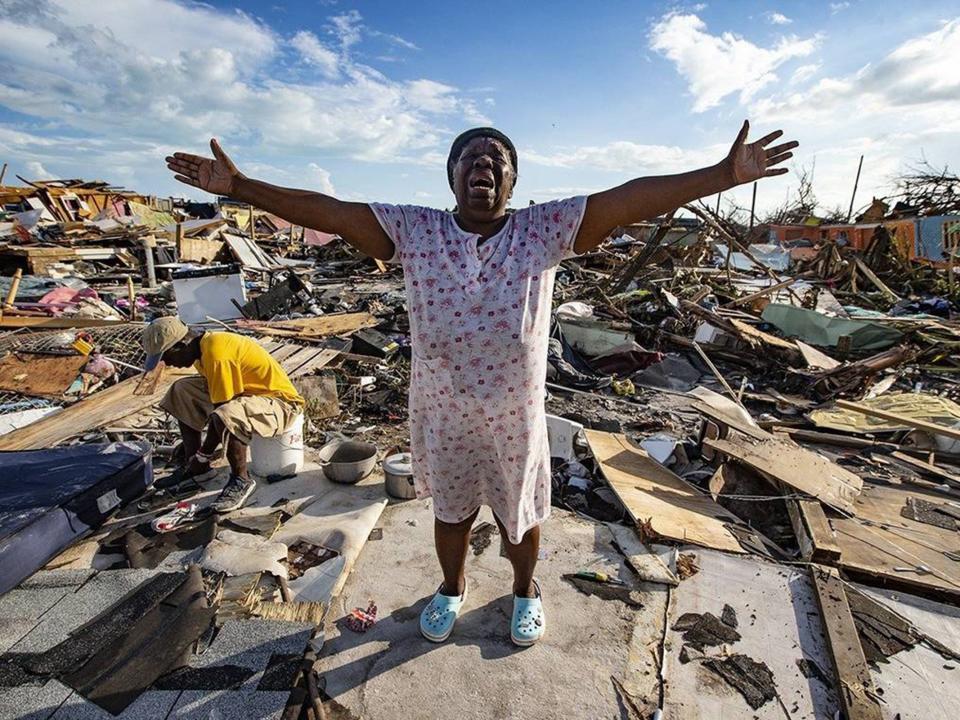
480, 320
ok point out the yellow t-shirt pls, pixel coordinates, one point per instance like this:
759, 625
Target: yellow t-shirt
236, 365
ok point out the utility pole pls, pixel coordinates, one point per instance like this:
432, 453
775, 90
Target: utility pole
855, 183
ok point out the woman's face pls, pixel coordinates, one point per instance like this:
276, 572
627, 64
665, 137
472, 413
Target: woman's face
483, 178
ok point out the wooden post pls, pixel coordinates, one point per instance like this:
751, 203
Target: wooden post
14, 287
131, 296
148, 243
855, 183
753, 206
179, 239
719, 195
2, 173
253, 226
854, 684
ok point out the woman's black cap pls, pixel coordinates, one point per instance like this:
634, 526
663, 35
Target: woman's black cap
465, 137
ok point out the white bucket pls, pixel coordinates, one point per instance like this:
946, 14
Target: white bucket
279, 455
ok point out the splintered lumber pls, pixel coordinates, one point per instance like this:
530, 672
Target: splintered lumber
795, 466
854, 683
314, 327
747, 299
97, 410
652, 493
877, 282
932, 428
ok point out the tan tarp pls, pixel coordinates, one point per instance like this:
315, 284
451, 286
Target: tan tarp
915, 406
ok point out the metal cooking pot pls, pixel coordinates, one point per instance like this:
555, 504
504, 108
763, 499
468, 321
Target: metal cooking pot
398, 476
347, 461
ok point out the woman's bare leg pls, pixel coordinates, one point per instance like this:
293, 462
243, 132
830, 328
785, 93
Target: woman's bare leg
452, 541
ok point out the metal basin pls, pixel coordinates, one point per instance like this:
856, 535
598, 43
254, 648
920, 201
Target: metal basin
347, 461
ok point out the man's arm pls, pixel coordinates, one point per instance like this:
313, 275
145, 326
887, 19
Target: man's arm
649, 197
354, 222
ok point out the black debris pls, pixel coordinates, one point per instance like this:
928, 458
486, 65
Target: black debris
752, 679
729, 616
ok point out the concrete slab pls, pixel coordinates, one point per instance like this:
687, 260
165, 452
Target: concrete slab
256, 705
391, 671
29, 702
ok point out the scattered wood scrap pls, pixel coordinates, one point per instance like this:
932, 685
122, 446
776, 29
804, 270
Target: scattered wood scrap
648, 490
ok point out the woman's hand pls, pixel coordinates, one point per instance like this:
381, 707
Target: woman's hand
218, 176
749, 162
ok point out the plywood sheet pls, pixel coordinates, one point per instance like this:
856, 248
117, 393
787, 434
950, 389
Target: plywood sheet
650, 491
796, 466
878, 541
779, 624
314, 327
39, 375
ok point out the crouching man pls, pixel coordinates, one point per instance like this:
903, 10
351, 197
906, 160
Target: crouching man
241, 392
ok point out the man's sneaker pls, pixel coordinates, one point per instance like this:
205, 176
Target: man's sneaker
234, 494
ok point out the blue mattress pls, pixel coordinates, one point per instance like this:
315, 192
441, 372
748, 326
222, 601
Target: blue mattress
51, 498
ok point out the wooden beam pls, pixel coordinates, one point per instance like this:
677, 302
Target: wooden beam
854, 683
929, 427
877, 282
927, 469
102, 408
52, 323
814, 534
760, 293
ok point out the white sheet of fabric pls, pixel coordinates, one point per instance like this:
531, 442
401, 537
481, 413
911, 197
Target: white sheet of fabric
237, 553
479, 321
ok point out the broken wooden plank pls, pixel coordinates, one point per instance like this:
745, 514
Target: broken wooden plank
320, 360
814, 534
747, 299
929, 427
652, 493
94, 411
927, 469
321, 326
816, 359
877, 282
854, 683
302, 355
795, 466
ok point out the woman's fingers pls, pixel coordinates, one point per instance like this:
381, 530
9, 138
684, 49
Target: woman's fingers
187, 180
779, 158
775, 171
778, 149
767, 139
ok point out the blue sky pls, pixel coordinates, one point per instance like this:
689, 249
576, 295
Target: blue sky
361, 99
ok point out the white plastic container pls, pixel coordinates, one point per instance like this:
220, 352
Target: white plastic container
279, 455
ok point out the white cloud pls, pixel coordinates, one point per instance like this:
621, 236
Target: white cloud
804, 73
919, 74
135, 79
319, 179
316, 53
775, 18
36, 171
716, 66
836, 7
628, 157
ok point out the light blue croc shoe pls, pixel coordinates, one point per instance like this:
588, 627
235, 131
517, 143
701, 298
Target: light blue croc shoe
528, 621
440, 614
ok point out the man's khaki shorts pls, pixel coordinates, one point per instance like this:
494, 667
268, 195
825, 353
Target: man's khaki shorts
188, 400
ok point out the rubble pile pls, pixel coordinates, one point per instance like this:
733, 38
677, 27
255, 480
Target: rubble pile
786, 392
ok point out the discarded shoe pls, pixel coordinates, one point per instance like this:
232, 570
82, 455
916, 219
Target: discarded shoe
234, 494
183, 513
440, 614
528, 622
